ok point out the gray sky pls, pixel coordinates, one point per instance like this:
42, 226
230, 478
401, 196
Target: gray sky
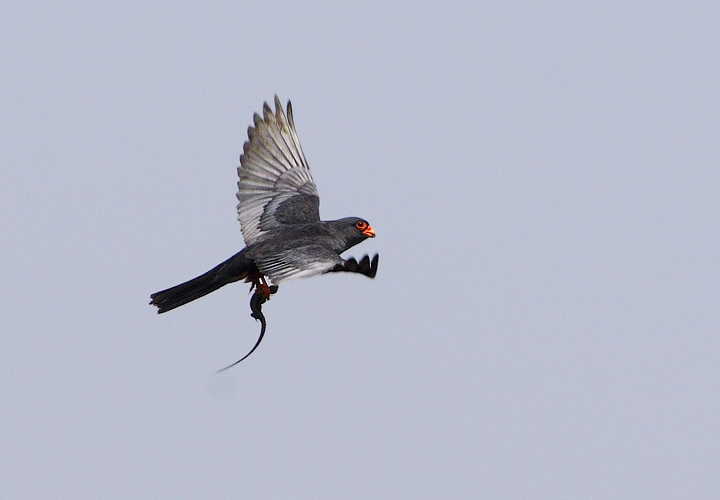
543, 180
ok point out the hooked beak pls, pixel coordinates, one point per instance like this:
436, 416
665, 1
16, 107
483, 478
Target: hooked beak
369, 232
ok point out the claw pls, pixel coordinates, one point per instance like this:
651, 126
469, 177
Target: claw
264, 289
259, 284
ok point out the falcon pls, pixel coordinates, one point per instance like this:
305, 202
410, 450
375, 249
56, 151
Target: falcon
279, 214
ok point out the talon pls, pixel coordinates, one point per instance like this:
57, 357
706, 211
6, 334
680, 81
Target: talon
260, 285
263, 288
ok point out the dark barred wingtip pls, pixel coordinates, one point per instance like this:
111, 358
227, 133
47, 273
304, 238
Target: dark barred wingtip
374, 266
365, 266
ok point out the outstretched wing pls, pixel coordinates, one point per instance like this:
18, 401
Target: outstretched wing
275, 186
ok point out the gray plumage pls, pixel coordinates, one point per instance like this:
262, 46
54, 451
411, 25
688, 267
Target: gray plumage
278, 210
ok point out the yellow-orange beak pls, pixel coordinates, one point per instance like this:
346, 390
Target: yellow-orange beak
369, 232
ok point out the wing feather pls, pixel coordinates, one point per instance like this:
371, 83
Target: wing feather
275, 186
298, 262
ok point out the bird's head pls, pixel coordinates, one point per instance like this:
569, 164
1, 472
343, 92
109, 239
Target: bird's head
364, 228
352, 230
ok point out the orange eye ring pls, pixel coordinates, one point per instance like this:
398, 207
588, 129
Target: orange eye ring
361, 225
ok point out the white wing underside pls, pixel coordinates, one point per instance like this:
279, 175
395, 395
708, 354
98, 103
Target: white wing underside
299, 262
281, 271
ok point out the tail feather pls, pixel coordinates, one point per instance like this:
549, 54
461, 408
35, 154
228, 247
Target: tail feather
235, 268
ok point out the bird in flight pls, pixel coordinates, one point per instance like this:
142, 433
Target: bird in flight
278, 210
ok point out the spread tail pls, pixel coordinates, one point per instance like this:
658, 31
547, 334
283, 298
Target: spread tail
235, 268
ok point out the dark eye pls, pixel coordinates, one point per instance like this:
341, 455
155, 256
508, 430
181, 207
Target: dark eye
361, 224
